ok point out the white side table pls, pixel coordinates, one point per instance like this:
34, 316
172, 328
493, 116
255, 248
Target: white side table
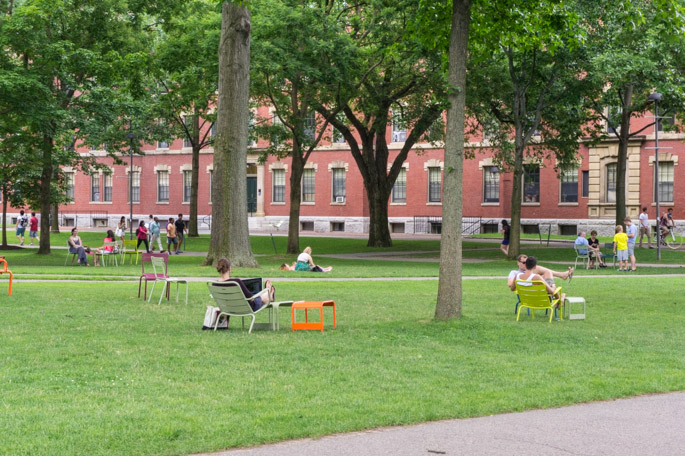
572, 304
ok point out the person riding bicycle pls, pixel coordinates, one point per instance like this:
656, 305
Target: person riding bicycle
664, 225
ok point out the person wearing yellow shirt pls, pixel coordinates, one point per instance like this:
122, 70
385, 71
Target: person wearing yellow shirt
621, 248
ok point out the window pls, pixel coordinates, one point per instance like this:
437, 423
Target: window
610, 190
339, 185
308, 186
531, 183
187, 185
310, 127
399, 189
69, 180
251, 135
212, 130
434, 184
278, 186
399, 129
95, 188
490, 184
277, 133
338, 137
162, 186
614, 116
569, 186
586, 183
107, 195
669, 121
135, 187
211, 182
338, 226
665, 182
189, 125
162, 145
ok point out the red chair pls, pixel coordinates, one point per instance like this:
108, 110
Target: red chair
149, 275
5, 270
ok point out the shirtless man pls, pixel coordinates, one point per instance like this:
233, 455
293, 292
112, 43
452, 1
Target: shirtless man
547, 274
530, 273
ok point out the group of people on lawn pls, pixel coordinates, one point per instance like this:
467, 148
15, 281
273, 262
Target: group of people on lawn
145, 234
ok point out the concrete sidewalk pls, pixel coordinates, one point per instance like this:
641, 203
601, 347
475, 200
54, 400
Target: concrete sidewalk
645, 425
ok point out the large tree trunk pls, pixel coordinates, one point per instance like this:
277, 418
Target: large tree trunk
44, 198
230, 235
379, 231
622, 159
195, 177
54, 218
516, 198
449, 285
295, 202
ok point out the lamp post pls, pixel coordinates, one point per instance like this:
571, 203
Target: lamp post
655, 97
131, 138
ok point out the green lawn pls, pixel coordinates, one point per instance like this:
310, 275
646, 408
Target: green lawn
89, 369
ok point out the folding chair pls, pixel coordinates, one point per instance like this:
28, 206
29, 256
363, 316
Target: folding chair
158, 264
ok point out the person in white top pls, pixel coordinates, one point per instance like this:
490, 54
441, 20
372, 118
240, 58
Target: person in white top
306, 263
644, 228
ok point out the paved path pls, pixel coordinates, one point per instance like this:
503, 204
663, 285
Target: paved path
645, 425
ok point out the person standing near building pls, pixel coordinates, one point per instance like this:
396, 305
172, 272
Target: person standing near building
141, 235
631, 232
506, 229
155, 234
180, 226
33, 229
22, 223
621, 248
644, 228
171, 235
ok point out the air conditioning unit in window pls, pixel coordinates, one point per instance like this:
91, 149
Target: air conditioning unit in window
339, 199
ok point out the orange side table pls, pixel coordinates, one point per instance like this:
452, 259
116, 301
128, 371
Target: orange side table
5, 270
306, 305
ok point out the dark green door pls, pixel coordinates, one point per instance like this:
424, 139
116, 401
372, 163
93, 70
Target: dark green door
252, 194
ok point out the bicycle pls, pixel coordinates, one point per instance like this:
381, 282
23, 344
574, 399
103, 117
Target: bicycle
672, 240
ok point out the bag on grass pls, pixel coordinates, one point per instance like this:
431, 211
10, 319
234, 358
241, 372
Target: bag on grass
210, 319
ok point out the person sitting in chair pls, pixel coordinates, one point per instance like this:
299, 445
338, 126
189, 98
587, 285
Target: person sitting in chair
547, 275
530, 274
264, 297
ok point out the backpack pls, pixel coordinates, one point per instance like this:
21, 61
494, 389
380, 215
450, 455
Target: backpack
210, 319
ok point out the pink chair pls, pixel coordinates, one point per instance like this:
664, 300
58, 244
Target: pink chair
149, 274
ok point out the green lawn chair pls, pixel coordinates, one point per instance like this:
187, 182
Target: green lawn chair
533, 295
230, 299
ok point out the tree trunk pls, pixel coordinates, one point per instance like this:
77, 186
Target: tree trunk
45, 181
194, 178
379, 232
54, 218
622, 159
449, 286
230, 235
516, 198
295, 202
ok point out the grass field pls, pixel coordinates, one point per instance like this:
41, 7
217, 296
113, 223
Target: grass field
88, 369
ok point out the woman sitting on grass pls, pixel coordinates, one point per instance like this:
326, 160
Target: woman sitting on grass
267, 295
306, 263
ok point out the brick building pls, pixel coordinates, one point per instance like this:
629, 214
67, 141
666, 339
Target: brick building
333, 196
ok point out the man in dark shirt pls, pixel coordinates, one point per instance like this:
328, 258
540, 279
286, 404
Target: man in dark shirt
180, 226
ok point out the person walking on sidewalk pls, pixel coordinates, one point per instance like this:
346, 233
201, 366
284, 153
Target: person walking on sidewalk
180, 227
33, 229
644, 228
155, 234
22, 223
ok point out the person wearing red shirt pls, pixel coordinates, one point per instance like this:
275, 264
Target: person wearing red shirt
33, 228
